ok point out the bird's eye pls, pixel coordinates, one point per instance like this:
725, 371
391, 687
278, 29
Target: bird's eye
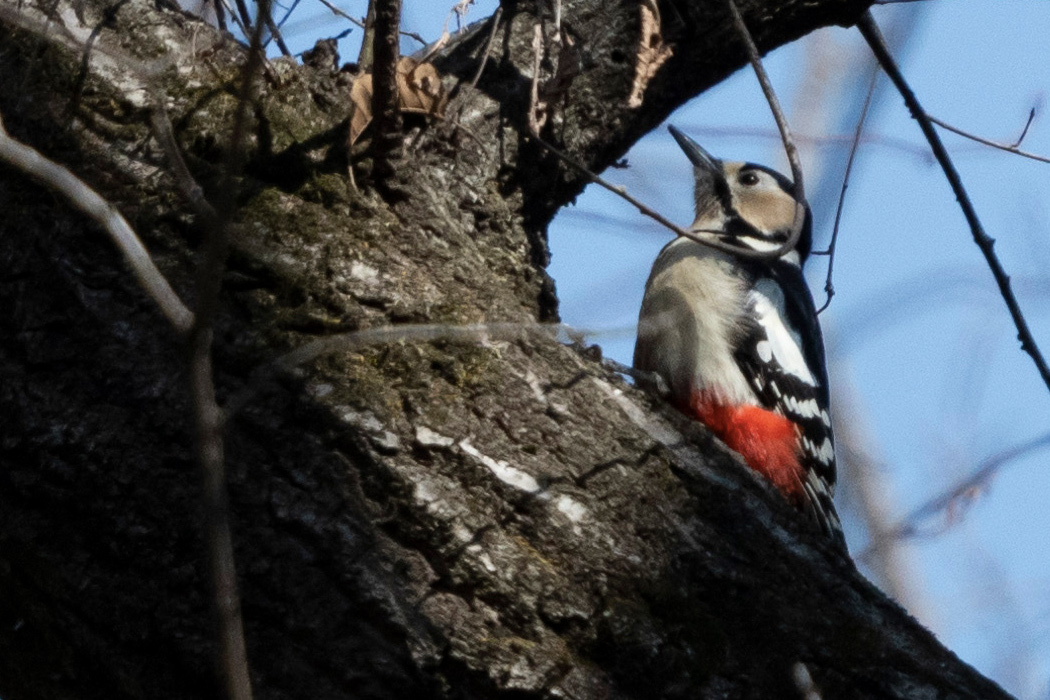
748, 179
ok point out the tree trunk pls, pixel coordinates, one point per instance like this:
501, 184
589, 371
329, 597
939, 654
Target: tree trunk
419, 518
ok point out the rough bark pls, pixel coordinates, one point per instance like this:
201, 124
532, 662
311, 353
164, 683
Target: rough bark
417, 519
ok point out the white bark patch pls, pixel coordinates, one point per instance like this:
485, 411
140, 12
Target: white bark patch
483, 557
425, 437
509, 475
364, 273
534, 383
424, 494
571, 508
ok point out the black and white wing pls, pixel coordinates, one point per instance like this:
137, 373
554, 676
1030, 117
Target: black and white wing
783, 356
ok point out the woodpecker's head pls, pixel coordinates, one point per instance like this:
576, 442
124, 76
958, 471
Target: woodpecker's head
750, 205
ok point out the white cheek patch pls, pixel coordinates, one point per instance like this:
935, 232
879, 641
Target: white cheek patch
784, 346
759, 244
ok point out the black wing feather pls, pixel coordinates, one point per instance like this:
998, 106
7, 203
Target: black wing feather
780, 391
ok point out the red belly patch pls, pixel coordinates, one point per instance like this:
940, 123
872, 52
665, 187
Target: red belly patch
767, 441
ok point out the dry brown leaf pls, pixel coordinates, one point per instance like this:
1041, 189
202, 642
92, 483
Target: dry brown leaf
360, 106
652, 51
419, 90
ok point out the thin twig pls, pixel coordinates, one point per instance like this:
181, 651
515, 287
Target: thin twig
220, 14
488, 46
460, 10
275, 34
1009, 148
889, 142
341, 13
782, 124
288, 13
361, 23
829, 287
368, 42
873, 36
193, 192
235, 17
1024, 131
85, 199
232, 657
961, 493
108, 20
246, 17
693, 235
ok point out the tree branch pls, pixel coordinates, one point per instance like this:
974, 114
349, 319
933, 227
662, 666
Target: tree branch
231, 653
785, 131
873, 36
1008, 147
961, 493
829, 287
89, 202
386, 116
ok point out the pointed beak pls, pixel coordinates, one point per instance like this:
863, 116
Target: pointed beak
697, 155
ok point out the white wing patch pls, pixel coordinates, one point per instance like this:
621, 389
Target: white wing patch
783, 345
825, 453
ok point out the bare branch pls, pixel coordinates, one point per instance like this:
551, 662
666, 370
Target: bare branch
246, 17
1009, 148
232, 657
488, 46
361, 23
287, 14
85, 199
693, 234
1027, 125
873, 36
386, 116
337, 11
955, 498
220, 13
785, 130
193, 192
275, 33
235, 17
365, 55
881, 140
829, 287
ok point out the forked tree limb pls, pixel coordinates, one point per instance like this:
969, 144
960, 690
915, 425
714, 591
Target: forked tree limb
870, 30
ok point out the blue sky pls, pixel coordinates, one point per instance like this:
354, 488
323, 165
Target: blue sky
924, 354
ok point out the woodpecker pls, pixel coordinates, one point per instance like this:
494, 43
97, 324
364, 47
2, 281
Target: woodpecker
736, 340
